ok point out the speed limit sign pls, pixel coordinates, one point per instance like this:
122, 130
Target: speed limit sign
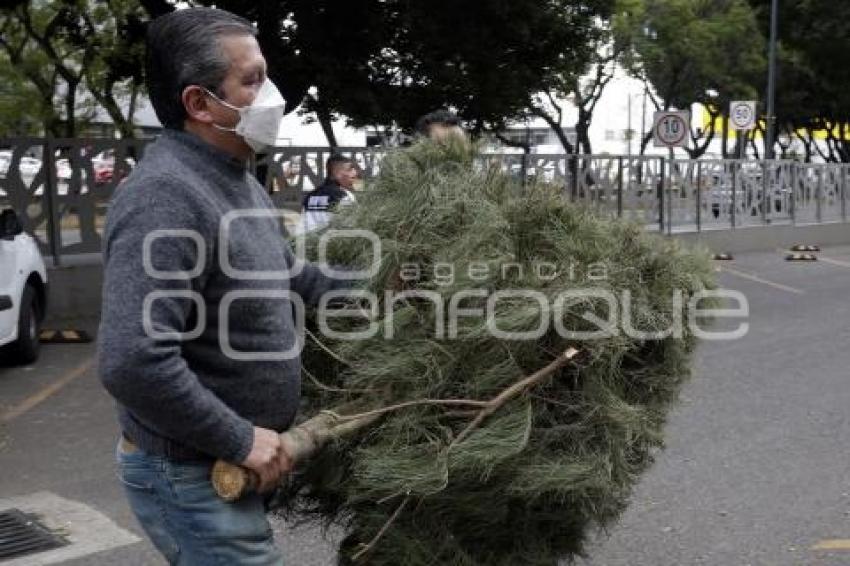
743, 114
671, 129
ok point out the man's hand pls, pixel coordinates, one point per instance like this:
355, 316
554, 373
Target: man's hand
286, 463
266, 459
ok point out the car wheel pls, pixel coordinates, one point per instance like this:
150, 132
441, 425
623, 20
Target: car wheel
27, 346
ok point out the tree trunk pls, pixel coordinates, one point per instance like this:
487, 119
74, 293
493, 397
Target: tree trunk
70, 110
107, 101
784, 146
843, 146
557, 128
752, 140
134, 97
700, 149
583, 136
326, 121
644, 143
572, 164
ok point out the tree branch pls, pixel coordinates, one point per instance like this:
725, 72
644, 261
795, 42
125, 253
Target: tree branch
418, 402
300, 442
48, 48
556, 127
367, 547
708, 136
558, 109
509, 142
508, 394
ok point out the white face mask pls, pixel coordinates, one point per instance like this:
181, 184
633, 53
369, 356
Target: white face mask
259, 122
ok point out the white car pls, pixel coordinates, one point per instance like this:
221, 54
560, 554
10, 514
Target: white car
23, 291
5, 160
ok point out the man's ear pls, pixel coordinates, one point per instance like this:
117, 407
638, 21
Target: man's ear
196, 102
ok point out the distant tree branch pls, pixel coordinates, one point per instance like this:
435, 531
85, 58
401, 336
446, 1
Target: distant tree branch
526, 147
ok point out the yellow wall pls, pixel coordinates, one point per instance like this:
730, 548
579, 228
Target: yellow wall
718, 128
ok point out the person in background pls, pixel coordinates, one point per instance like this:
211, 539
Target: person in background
440, 125
319, 204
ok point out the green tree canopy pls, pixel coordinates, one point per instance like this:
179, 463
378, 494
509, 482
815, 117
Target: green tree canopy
389, 62
75, 53
699, 51
813, 81
584, 80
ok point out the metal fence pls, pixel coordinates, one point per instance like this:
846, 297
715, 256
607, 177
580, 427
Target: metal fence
681, 195
61, 188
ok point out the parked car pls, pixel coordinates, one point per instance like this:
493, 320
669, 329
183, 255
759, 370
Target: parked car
28, 166
103, 165
63, 169
5, 160
23, 291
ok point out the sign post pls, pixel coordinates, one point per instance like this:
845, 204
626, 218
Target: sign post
670, 129
742, 115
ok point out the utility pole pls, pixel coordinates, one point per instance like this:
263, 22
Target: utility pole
771, 82
629, 129
643, 116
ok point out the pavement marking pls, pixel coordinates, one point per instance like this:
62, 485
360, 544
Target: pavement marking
42, 395
757, 279
837, 262
834, 544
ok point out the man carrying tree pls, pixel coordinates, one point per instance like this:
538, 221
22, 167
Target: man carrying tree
197, 340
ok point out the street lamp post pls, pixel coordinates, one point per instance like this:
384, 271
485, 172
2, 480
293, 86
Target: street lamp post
771, 81
629, 129
630, 133
643, 117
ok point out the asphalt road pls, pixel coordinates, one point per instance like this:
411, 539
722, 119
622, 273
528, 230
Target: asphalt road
756, 472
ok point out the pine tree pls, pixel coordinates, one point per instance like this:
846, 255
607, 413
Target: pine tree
478, 449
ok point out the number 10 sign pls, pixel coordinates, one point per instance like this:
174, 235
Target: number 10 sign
671, 129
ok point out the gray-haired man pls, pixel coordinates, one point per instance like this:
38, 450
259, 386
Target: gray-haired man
197, 340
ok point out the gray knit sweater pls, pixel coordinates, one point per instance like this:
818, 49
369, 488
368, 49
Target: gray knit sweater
199, 396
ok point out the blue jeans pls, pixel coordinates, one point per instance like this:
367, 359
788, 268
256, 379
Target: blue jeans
185, 519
